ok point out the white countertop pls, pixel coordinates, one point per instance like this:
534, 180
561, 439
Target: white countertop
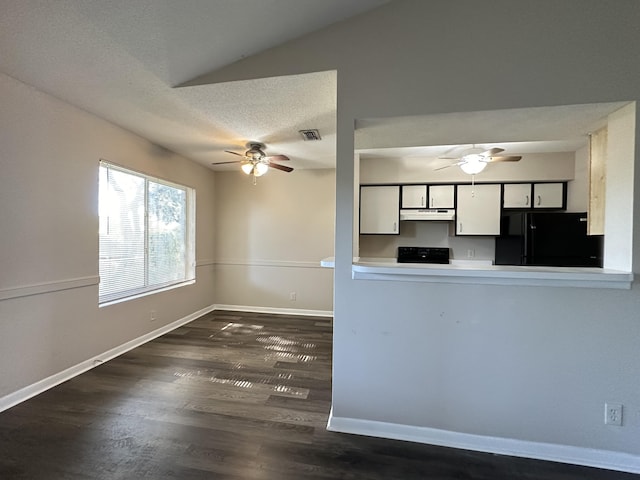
483, 272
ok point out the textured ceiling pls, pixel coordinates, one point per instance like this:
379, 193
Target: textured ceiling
518, 131
121, 59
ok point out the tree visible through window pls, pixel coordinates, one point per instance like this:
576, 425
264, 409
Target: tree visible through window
146, 239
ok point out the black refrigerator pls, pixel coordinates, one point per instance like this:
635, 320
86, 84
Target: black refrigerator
556, 239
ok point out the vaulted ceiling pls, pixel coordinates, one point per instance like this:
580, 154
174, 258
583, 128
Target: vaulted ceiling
125, 61
148, 65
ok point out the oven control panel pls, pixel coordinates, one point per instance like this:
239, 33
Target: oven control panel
423, 255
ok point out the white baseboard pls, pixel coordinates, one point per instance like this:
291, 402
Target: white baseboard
504, 446
542, 451
34, 389
274, 310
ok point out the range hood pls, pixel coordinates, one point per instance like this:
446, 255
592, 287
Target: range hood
428, 214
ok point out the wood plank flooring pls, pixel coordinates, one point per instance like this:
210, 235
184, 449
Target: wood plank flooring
232, 396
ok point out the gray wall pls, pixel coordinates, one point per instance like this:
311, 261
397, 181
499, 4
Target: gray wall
531, 364
254, 244
270, 238
49, 315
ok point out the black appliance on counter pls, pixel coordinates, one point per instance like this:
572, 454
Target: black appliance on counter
556, 239
423, 255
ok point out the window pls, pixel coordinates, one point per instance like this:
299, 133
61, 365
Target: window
146, 233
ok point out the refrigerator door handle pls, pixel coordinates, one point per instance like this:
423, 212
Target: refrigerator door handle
530, 242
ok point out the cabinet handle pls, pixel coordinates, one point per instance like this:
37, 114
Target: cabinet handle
422, 201
460, 227
539, 199
526, 200
432, 201
395, 224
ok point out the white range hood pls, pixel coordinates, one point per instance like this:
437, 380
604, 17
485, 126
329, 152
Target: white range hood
442, 214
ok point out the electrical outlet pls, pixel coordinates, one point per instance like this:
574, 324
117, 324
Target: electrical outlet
471, 253
292, 296
613, 414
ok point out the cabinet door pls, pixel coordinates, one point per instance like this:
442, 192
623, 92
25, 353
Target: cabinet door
441, 196
548, 195
517, 195
478, 210
414, 196
379, 209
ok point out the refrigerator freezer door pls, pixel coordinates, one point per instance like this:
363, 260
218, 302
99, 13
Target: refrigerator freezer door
548, 239
560, 239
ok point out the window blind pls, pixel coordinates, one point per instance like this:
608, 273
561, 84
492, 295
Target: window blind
144, 233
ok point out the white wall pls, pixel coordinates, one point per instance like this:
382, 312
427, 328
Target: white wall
619, 173
529, 366
270, 238
49, 315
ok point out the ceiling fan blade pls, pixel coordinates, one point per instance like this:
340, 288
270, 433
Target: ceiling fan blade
492, 151
224, 163
234, 153
447, 166
278, 158
280, 167
506, 158
450, 153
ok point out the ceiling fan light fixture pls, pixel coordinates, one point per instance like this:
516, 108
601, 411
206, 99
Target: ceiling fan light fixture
257, 169
260, 169
254, 162
247, 168
473, 164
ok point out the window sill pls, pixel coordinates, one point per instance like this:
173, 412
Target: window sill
145, 294
388, 269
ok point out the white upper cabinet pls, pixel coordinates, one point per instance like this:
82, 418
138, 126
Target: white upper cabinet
517, 195
414, 196
548, 195
441, 196
478, 210
536, 195
380, 209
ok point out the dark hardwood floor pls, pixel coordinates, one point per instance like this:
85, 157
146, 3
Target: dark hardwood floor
229, 396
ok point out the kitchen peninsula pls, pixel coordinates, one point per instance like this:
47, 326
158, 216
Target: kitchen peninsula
481, 272
401, 188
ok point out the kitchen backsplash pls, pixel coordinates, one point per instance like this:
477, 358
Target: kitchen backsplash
428, 234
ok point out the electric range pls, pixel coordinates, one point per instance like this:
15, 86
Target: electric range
423, 255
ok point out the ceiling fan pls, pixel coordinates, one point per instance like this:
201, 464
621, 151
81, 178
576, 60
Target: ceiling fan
255, 162
473, 160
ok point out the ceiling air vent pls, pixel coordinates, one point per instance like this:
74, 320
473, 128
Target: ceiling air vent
311, 134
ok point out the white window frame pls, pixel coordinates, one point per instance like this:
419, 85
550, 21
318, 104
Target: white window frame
190, 247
